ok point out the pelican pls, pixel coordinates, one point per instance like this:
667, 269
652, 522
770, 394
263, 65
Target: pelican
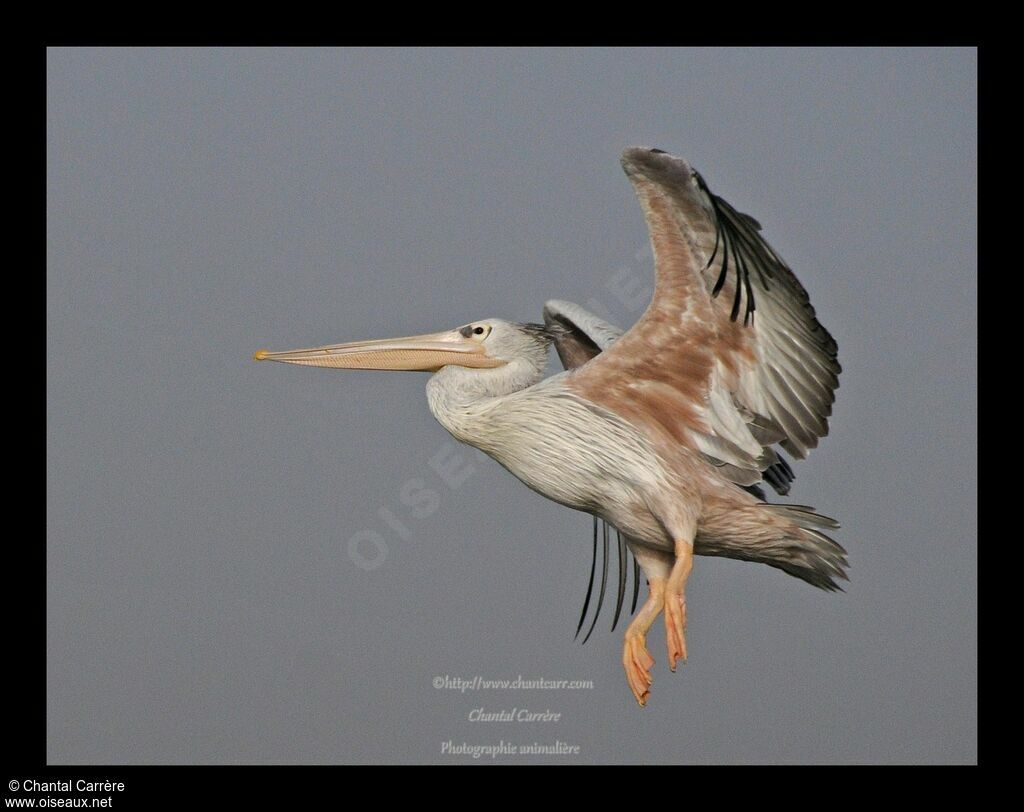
664, 432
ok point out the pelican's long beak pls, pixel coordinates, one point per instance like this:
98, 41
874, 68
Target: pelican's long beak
426, 352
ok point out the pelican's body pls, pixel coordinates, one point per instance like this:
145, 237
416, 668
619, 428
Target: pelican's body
572, 452
662, 432
584, 456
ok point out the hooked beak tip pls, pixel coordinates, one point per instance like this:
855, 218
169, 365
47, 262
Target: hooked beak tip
260, 355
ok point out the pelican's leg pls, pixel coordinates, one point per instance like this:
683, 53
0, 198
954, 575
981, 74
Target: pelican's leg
675, 603
636, 659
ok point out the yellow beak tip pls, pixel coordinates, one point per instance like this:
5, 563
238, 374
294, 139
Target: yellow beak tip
260, 355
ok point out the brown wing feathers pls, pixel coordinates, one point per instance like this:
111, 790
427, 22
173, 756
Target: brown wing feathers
698, 367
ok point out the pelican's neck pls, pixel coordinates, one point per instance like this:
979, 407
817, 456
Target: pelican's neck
460, 398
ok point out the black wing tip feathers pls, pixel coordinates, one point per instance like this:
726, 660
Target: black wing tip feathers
623, 562
604, 580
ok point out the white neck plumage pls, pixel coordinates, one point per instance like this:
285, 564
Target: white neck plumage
459, 398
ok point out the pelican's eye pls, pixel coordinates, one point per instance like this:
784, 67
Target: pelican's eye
475, 330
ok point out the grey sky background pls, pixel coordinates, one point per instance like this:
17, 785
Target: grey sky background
203, 605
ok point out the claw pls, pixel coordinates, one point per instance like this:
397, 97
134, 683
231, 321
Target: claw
638, 661
635, 656
675, 626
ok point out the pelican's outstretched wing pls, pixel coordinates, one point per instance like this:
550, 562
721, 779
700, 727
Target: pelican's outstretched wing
698, 368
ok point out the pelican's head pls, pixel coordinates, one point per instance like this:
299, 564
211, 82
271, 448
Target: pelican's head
484, 344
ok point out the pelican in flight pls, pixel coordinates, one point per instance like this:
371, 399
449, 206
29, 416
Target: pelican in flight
663, 432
